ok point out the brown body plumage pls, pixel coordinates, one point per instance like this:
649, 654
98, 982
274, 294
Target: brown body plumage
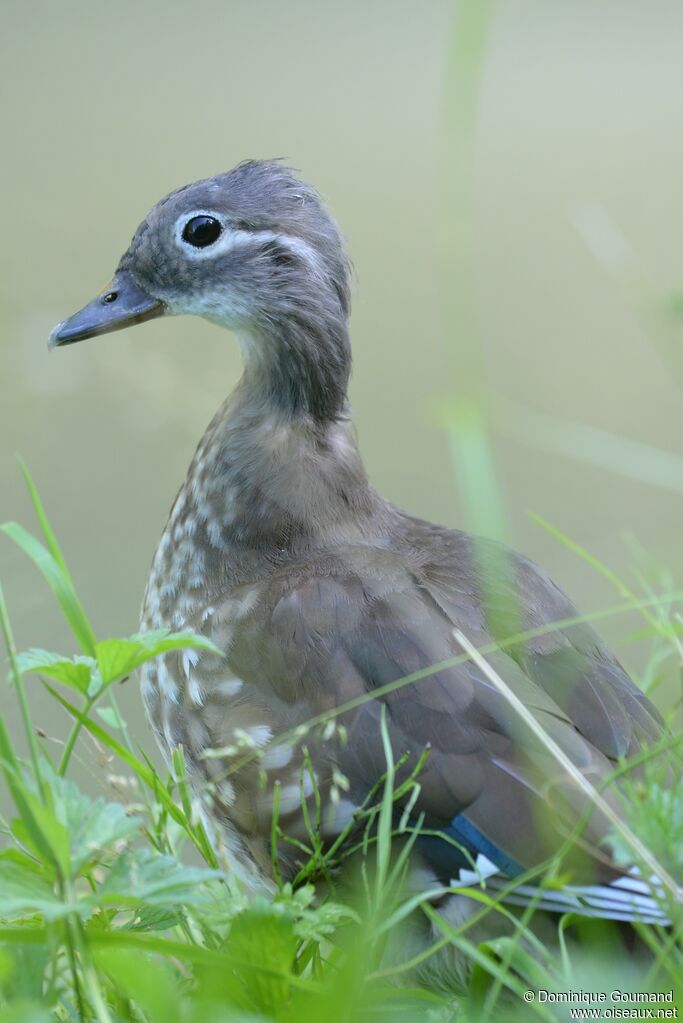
318, 592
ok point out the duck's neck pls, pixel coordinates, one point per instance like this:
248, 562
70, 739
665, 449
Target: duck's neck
264, 477
298, 360
279, 461
276, 475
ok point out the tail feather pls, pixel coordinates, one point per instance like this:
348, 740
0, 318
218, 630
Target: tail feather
626, 898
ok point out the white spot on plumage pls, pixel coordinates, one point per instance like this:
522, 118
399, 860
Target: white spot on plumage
248, 601
148, 688
190, 659
342, 443
215, 532
227, 687
195, 578
338, 816
168, 589
152, 606
483, 868
276, 757
292, 795
195, 691
290, 798
420, 879
226, 791
259, 734
166, 684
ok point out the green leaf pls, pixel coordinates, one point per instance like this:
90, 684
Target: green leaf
59, 582
40, 829
16, 780
653, 808
75, 672
25, 1012
149, 983
22, 973
144, 772
109, 716
264, 933
156, 918
94, 827
119, 657
142, 877
313, 921
25, 889
26, 825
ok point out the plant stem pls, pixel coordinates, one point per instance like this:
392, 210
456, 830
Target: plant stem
101, 1012
73, 735
21, 692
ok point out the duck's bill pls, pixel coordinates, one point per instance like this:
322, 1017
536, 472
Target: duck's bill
120, 305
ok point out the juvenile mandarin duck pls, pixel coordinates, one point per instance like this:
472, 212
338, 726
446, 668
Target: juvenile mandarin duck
319, 592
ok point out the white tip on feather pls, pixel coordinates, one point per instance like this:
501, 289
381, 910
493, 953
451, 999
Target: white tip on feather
626, 898
189, 661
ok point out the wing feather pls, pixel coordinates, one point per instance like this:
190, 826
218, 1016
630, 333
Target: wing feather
375, 621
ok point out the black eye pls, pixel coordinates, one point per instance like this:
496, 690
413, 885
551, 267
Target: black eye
201, 231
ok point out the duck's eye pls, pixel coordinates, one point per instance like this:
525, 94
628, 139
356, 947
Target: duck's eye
202, 231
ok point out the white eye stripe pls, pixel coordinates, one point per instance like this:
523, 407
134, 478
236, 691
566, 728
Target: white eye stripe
231, 238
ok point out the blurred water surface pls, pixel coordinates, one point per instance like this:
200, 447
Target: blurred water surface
578, 229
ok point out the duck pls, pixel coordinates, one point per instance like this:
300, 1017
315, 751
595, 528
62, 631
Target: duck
334, 615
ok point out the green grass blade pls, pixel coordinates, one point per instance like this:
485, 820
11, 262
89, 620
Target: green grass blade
642, 853
622, 588
46, 529
59, 582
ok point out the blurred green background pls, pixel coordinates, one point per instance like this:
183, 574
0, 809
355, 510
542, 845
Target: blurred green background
575, 243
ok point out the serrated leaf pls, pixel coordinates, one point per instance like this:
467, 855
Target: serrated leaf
653, 809
155, 918
119, 657
75, 672
144, 772
264, 933
93, 826
32, 811
141, 877
25, 889
41, 830
149, 983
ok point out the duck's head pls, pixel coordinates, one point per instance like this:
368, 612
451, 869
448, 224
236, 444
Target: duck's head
255, 250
